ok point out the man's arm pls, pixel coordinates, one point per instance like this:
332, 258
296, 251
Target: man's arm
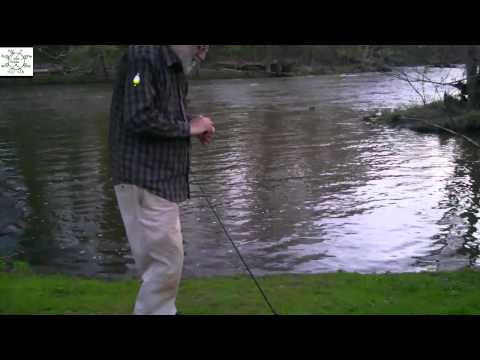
141, 114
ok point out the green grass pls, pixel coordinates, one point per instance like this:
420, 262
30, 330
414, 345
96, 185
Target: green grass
456, 293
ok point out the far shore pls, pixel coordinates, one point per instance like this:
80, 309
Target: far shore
53, 78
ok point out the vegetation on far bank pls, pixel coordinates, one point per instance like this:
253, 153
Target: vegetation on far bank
456, 293
72, 64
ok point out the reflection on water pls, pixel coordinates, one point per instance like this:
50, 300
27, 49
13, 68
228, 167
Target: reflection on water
302, 184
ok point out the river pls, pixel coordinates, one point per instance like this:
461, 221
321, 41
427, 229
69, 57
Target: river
302, 184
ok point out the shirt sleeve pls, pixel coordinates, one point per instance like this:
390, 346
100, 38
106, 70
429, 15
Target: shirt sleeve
142, 115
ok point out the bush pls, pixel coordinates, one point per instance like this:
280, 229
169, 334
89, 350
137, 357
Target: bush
87, 58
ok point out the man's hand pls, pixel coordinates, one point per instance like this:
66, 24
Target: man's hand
201, 125
203, 128
207, 137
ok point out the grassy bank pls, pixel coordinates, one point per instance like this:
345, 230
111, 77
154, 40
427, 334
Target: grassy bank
431, 118
23, 292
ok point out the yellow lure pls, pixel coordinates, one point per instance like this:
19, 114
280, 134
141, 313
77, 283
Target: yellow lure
137, 81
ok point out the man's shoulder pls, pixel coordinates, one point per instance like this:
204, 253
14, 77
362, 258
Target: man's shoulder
154, 54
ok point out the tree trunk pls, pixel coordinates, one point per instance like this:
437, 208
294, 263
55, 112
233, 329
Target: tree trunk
104, 67
365, 53
268, 57
473, 77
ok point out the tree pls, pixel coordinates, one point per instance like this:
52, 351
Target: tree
469, 86
473, 77
97, 60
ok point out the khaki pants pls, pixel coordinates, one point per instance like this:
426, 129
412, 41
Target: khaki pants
153, 229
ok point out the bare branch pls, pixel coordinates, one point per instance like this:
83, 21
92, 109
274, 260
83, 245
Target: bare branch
406, 78
403, 76
60, 57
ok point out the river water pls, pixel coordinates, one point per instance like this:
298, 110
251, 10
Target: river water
302, 184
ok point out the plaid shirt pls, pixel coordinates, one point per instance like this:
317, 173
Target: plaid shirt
149, 134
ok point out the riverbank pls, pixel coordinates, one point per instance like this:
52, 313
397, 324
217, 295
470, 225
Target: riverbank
456, 293
208, 73
300, 70
436, 117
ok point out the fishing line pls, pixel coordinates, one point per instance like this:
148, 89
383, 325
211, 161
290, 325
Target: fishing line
238, 251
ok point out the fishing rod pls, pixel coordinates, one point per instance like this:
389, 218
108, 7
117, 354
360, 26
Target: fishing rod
473, 142
237, 251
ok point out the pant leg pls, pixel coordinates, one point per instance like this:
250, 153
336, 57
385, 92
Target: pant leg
160, 220
158, 243
128, 198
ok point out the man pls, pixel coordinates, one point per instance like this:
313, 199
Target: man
149, 138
